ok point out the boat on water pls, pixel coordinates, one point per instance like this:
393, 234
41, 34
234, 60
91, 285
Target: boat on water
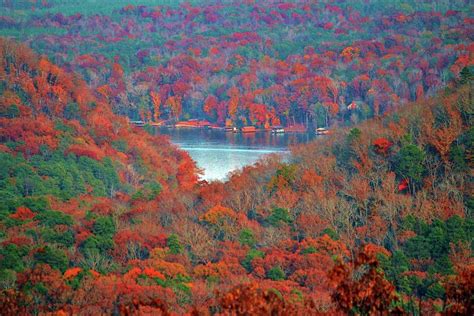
248, 129
137, 123
322, 131
231, 129
277, 129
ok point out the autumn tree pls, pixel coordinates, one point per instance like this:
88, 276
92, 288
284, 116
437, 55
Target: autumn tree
250, 299
409, 164
360, 287
156, 99
459, 291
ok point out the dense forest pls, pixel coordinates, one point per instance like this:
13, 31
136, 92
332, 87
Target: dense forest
258, 63
99, 216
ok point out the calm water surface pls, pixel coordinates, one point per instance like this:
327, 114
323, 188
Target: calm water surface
218, 152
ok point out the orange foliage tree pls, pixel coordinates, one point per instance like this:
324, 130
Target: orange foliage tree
156, 100
360, 287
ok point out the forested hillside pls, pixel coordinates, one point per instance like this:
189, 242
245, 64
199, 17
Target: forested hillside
259, 63
71, 172
100, 217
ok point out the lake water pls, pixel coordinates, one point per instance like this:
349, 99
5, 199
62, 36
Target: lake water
219, 152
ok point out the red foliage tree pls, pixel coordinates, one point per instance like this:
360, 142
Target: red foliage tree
23, 214
360, 287
382, 145
459, 289
250, 299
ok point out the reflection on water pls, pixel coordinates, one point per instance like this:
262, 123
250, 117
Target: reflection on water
218, 152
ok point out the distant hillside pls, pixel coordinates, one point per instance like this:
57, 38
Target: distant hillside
258, 63
401, 182
99, 217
